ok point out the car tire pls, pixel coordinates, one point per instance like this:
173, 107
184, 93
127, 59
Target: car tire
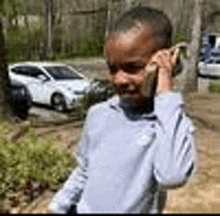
58, 102
23, 115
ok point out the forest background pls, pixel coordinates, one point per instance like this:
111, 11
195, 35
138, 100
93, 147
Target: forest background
58, 29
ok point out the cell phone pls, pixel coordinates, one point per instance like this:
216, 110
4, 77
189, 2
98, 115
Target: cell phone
150, 79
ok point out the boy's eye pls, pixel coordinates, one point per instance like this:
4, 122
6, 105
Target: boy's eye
132, 69
113, 68
128, 68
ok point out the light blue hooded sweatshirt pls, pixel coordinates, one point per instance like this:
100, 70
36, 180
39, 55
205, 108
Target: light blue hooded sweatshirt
128, 159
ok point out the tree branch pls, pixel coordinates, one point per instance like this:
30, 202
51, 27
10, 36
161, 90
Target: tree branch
84, 12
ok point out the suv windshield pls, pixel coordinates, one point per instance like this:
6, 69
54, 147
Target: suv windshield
215, 54
62, 72
210, 61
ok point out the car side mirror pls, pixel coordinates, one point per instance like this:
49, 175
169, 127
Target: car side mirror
42, 77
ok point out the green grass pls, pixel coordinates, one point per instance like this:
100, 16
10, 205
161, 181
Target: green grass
214, 88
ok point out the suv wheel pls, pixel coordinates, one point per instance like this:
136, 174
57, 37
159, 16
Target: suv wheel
58, 102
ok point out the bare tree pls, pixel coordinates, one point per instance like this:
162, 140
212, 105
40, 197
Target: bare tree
108, 17
191, 78
129, 4
5, 111
50, 29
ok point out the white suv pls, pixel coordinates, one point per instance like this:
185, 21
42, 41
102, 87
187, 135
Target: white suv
54, 84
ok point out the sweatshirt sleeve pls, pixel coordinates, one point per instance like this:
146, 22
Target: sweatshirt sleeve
72, 189
175, 154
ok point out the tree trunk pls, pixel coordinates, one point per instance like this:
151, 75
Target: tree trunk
129, 4
49, 24
108, 18
5, 110
191, 78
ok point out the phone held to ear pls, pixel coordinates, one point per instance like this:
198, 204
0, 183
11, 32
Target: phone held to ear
150, 81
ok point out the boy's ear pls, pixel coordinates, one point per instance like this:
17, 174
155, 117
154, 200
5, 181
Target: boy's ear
150, 73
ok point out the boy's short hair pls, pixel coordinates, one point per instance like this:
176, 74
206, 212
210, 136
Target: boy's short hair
148, 17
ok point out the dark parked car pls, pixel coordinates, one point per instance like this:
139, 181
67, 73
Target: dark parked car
20, 99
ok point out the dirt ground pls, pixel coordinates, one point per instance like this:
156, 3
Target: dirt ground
200, 195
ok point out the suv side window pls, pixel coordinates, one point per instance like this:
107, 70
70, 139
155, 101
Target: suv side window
34, 71
28, 71
20, 70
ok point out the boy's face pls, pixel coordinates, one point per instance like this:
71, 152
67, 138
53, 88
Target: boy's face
127, 55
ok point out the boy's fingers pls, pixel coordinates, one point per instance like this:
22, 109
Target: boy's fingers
164, 60
175, 56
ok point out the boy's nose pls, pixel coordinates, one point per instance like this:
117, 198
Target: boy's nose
121, 78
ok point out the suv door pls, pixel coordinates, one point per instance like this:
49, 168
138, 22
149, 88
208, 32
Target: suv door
29, 76
20, 74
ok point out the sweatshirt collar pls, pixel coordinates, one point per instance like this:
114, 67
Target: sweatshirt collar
145, 111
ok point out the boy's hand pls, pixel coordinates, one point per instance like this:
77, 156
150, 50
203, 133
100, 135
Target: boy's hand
166, 63
49, 211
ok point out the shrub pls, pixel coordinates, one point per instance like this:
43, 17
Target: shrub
181, 37
32, 160
100, 90
214, 88
90, 46
23, 43
4, 128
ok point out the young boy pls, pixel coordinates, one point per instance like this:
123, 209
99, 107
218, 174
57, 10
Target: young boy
133, 148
